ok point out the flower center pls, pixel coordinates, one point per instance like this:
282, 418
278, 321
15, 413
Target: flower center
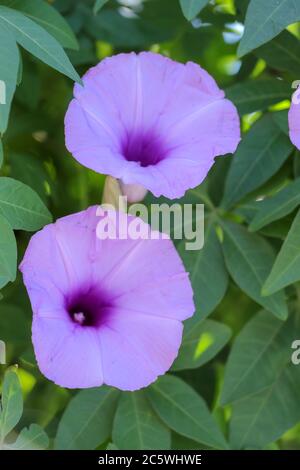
145, 149
88, 307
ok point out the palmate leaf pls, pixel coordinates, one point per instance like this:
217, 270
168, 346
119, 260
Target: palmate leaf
262, 381
277, 207
30, 170
8, 253
261, 153
21, 206
265, 416
37, 41
1, 153
11, 404
184, 411
254, 95
191, 8
281, 119
265, 20
249, 259
286, 268
32, 438
9, 65
201, 342
257, 354
282, 53
207, 273
136, 426
11, 409
87, 420
48, 18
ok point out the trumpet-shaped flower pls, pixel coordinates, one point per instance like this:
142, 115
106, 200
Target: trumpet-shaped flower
150, 121
104, 310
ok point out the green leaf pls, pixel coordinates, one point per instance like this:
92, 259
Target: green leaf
30, 170
277, 206
249, 259
281, 119
262, 417
111, 446
286, 268
262, 151
258, 95
48, 18
191, 8
257, 355
11, 404
37, 41
14, 326
21, 206
32, 438
265, 20
9, 65
207, 273
8, 253
87, 420
282, 53
201, 343
1, 153
184, 411
137, 427
98, 5
118, 30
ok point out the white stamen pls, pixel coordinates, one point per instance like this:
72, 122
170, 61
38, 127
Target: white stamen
79, 317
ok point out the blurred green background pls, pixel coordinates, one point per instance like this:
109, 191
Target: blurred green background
259, 83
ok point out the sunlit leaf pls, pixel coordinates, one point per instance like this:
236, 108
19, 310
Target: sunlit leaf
201, 342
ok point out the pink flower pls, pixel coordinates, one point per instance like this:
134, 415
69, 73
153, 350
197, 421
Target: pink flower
148, 120
104, 310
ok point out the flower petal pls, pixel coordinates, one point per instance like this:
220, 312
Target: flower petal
294, 123
67, 354
137, 349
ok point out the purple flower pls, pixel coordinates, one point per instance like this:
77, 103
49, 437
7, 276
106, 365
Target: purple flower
148, 120
294, 120
105, 310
